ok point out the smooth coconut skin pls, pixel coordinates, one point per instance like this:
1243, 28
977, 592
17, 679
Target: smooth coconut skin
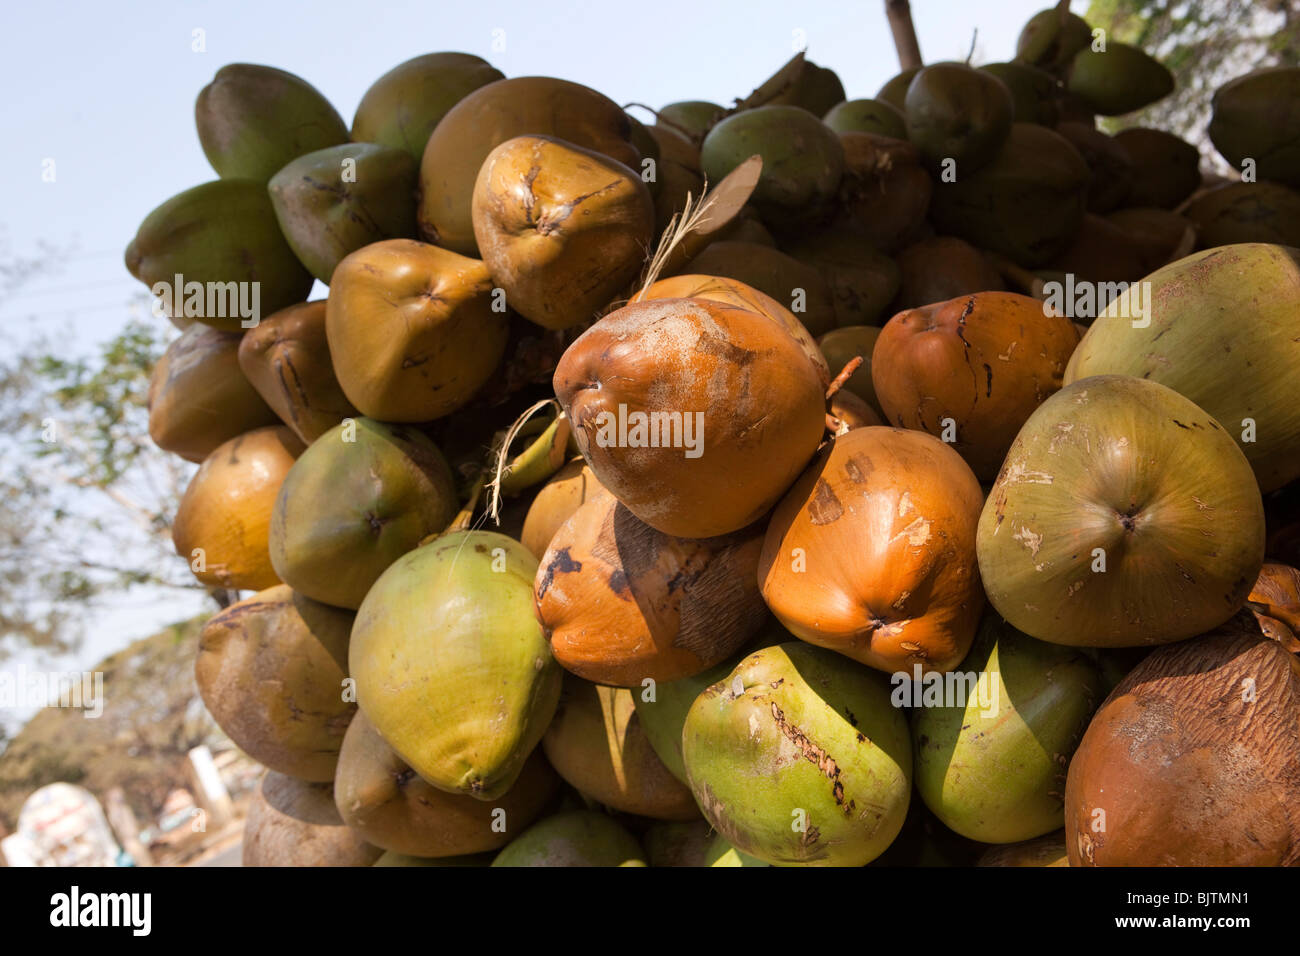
872, 552
796, 728
390, 806
1256, 116
226, 509
219, 232
984, 361
412, 330
359, 498
621, 602
1134, 469
576, 838
270, 670
450, 664
1192, 760
199, 398
999, 776
562, 229
941, 268
597, 744
286, 357
956, 112
492, 114
1236, 362
761, 397
254, 119
1043, 851
292, 822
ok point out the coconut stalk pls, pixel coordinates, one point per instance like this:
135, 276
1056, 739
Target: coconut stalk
899, 14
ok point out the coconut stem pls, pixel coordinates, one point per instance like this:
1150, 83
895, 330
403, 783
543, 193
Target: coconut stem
899, 14
503, 454
851, 366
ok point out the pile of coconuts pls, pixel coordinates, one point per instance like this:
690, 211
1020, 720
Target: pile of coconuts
732, 489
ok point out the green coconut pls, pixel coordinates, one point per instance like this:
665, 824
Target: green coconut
1027, 204
802, 160
1124, 515
451, 666
361, 496
575, 838
252, 120
991, 749
223, 240
867, 116
1199, 338
334, 201
798, 758
1257, 117
402, 107
958, 114
1118, 79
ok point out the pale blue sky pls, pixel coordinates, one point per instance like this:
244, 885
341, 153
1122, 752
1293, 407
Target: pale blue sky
107, 91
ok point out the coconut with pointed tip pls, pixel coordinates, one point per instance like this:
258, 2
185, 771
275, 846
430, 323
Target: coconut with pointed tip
736, 405
451, 665
884, 521
561, 229
402, 107
253, 119
385, 802
492, 114
596, 743
412, 329
222, 239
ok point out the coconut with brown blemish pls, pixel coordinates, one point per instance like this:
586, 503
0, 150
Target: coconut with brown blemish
622, 602
1193, 759
412, 329
872, 552
971, 370
1123, 515
695, 414
494, 113
798, 758
566, 491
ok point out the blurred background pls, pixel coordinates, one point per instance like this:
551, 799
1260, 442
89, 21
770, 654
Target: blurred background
88, 577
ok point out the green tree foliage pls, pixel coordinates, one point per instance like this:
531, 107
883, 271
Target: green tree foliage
1204, 43
88, 498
